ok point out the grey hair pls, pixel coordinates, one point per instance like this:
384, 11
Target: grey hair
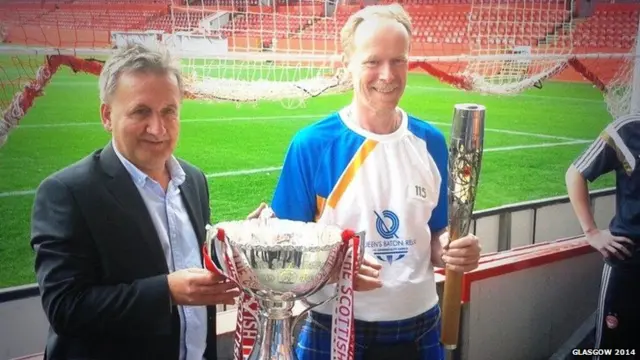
136, 58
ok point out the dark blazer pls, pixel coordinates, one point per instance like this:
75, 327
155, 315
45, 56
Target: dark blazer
100, 266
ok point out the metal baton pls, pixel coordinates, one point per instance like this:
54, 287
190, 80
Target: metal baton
465, 155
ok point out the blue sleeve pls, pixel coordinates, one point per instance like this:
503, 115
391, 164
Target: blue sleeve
294, 196
437, 147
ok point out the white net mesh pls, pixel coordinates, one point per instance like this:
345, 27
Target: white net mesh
291, 52
522, 30
257, 52
622, 94
252, 77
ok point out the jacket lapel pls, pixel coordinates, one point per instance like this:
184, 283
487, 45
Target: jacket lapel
125, 193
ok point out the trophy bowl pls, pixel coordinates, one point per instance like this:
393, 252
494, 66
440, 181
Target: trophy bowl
278, 259
276, 262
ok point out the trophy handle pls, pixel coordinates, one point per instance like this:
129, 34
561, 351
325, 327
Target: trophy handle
306, 311
213, 242
310, 306
220, 249
361, 247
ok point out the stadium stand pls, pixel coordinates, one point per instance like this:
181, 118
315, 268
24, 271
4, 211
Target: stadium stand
445, 24
494, 46
608, 28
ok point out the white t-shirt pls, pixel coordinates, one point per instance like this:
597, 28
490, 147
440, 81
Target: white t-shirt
392, 186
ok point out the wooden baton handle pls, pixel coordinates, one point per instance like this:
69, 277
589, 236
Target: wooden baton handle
451, 305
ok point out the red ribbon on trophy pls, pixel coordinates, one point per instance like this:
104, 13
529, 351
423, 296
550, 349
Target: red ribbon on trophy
247, 326
343, 337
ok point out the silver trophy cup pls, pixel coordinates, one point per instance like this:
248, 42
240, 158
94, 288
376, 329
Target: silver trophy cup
275, 263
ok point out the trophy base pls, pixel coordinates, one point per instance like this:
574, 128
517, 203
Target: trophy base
274, 340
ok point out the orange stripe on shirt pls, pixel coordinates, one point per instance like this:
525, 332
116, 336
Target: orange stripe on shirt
320, 202
350, 172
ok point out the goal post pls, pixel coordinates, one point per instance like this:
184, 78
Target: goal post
251, 51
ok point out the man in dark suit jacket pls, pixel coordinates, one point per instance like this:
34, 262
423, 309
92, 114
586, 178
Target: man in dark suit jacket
118, 235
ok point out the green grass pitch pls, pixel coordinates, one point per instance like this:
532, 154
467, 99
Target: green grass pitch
531, 138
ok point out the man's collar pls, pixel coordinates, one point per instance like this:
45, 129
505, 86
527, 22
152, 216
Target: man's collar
139, 177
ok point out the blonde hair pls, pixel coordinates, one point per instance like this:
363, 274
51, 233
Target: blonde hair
390, 12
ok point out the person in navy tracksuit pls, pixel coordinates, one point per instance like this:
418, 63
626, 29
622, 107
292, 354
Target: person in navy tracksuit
617, 149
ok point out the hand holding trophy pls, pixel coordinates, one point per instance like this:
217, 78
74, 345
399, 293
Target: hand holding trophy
276, 262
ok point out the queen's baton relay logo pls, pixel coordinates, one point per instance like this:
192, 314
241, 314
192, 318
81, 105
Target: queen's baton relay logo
392, 247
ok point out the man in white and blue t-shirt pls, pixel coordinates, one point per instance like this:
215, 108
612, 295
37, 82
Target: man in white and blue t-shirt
373, 167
